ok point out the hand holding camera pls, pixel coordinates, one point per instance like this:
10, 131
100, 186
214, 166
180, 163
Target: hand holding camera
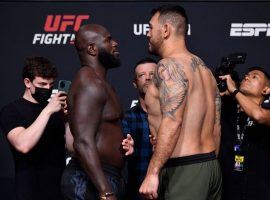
57, 102
227, 68
231, 85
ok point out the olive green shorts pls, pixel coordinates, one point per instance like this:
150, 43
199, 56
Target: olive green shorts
196, 177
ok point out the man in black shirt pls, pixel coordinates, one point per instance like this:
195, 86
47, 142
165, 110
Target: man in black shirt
245, 141
35, 131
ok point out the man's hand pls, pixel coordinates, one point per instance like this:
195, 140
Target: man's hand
153, 141
149, 187
57, 102
231, 86
128, 145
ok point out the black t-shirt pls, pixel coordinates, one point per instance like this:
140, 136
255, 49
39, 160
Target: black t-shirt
37, 173
253, 182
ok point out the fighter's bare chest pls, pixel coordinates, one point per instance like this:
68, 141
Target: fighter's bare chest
112, 109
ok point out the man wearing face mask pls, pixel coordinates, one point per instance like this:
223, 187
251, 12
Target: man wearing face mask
35, 131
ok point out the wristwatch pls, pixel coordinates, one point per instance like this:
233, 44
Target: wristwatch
105, 195
235, 92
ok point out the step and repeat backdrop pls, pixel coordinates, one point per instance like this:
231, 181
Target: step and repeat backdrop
216, 29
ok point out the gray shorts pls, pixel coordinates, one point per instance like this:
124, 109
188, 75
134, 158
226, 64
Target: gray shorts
196, 177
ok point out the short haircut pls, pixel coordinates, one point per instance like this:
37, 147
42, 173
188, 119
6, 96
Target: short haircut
266, 74
143, 61
175, 14
38, 66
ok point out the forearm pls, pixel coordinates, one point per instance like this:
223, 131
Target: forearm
26, 139
167, 137
251, 108
88, 155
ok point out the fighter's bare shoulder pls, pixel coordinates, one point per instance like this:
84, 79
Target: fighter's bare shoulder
90, 83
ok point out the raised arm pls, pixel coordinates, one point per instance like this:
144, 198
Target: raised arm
25, 138
85, 118
252, 109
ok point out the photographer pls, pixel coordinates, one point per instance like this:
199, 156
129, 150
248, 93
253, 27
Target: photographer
245, 141
35, 131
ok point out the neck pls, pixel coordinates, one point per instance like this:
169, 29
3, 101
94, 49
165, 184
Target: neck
174, 47
100, 70
142, 103
27, 95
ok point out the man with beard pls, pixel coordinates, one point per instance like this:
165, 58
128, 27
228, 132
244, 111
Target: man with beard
95, 121
35, 131
181, 112
135, 123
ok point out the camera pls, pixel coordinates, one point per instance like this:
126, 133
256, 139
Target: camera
227, 67
63, 85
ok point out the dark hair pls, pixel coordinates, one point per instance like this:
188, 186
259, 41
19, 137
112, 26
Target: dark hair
172, 13
267, 75
38, 66
143, 61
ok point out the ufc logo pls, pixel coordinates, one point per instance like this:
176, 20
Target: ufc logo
249, 29
60, 23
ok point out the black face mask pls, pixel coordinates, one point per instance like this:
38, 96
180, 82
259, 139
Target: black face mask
42, 95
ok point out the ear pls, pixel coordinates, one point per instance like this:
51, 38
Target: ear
166, 30
135, 84
266, 91
27, 83
92, 49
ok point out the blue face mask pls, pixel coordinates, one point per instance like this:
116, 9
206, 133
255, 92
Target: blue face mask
42, 95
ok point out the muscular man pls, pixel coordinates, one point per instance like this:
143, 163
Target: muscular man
95, 114
245, 144
35, 131
181, 111
135, 123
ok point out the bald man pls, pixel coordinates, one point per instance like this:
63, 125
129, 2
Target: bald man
95, 113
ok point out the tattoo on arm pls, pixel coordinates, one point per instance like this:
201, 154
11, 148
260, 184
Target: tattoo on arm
218, 107
173, 85
196, 62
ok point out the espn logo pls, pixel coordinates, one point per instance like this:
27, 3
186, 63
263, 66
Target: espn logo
250, 29
61, 22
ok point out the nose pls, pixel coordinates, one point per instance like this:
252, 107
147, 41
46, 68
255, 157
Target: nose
148, 76
115, 44
47, 86
148, 34
246, 77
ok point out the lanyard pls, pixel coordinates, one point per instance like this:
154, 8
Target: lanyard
241, 133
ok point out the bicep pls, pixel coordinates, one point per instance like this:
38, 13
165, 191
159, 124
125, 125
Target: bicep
173, 88
12, 135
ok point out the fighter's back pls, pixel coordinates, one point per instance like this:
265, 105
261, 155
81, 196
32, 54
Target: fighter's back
197, 120
196, 134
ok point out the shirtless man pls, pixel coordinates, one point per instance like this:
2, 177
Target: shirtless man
181, 111
95, 114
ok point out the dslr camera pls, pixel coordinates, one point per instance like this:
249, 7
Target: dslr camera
227, 67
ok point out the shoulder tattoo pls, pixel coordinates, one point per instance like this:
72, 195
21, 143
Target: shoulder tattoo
172, 84
196, 62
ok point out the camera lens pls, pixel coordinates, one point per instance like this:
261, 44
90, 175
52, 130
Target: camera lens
62, 84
